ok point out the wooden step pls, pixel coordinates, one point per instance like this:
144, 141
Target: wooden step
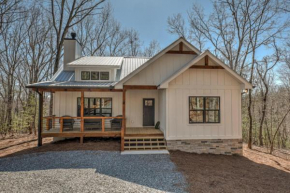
145, 143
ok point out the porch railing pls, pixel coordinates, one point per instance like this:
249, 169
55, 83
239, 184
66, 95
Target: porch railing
56, 124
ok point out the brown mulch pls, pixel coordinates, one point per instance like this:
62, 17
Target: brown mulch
28, 144
254, 172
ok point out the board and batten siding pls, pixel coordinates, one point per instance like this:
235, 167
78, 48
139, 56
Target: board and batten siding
161, 69
204, 82
65, 103
162, 109
134, 106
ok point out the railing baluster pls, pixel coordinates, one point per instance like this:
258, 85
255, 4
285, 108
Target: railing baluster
103, 125
61, 125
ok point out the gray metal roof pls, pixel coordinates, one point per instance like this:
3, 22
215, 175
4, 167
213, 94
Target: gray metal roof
129, 65
66, 79
72, 84
97, 61
65, 76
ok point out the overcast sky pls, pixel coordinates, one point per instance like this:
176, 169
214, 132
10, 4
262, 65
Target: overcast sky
149, 17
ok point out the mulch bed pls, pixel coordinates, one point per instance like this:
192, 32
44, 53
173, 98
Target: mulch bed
28, 144
253, 172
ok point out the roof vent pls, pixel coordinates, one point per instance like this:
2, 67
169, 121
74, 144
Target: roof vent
73, 35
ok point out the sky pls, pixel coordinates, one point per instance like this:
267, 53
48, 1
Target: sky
149, 17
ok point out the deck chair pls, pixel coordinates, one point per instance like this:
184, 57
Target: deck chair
68, 123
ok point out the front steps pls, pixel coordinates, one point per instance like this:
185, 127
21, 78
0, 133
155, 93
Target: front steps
140, 143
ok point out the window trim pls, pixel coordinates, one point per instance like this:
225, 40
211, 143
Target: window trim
100, 72
204, 110
89, 75
90, 71
79, 98
98, 76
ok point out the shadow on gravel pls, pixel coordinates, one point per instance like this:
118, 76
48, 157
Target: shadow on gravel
154, 171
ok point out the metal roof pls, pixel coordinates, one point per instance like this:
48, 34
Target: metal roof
65, 76
129, 65
66, 79
71, 84
97, 61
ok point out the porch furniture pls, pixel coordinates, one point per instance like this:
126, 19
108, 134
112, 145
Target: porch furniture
67, 122
93, 123
116, 123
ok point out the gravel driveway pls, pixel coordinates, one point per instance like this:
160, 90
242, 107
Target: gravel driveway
89, 171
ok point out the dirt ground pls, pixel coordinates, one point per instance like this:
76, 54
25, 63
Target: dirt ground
28, 144
256, 171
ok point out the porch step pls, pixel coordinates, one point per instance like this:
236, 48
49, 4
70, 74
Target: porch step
144, 143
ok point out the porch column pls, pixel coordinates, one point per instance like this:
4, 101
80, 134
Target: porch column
124, 119
82, 115
40, 117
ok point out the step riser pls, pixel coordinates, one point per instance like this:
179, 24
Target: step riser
144, 143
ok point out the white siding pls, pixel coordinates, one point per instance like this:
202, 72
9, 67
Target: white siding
160, 69
134, 106
65, 103
204, 82
162, 109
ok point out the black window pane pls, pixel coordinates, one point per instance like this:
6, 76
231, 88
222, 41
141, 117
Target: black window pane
106, 103
196, 116
212, 103
212, 116
85, 75
105, 76
95, 75
106, 111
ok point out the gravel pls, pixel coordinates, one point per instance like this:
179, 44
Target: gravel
89, 171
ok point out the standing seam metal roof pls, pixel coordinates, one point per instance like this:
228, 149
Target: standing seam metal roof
97, 61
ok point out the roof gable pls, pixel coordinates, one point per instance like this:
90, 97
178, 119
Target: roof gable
194, 61
157, 56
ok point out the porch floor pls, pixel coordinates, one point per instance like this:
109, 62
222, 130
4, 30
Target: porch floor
133, 131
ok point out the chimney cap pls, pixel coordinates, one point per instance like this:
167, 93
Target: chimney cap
73, 35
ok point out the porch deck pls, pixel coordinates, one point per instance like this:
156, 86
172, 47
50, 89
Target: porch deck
76, 132
143, 131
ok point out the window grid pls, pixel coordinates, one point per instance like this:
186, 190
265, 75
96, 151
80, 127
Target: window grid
204, 110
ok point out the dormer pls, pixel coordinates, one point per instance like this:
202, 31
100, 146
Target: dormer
96, 68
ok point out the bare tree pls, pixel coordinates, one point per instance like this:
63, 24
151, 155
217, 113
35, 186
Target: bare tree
66, 14
152, 49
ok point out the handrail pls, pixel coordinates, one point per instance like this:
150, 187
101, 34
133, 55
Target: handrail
53, 117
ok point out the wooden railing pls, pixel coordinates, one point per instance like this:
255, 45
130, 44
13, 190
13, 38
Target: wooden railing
50, 122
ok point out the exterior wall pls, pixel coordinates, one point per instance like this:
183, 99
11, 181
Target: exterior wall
204, 82
214, 146
162, 109
134, 106
160, 69
65, 103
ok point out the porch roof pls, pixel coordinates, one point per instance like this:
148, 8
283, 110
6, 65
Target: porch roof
72, 84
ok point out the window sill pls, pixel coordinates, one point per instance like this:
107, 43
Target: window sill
204, 124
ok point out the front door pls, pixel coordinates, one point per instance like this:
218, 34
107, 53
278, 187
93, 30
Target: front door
148, 112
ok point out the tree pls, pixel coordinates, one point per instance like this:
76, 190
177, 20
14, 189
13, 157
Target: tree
66, 14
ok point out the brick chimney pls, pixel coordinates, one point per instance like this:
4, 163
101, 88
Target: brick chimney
72, 51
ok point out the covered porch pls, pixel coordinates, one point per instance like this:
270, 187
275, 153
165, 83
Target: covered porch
71, 124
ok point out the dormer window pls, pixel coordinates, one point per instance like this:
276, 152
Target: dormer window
105, 76
95, 75
85, 75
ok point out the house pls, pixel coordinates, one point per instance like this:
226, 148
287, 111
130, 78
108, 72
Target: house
180, 99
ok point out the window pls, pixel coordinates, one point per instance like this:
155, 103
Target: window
95, 75
105, 76
204, 109
85, 75
95, 107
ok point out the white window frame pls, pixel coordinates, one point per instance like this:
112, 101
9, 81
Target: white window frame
99, 75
